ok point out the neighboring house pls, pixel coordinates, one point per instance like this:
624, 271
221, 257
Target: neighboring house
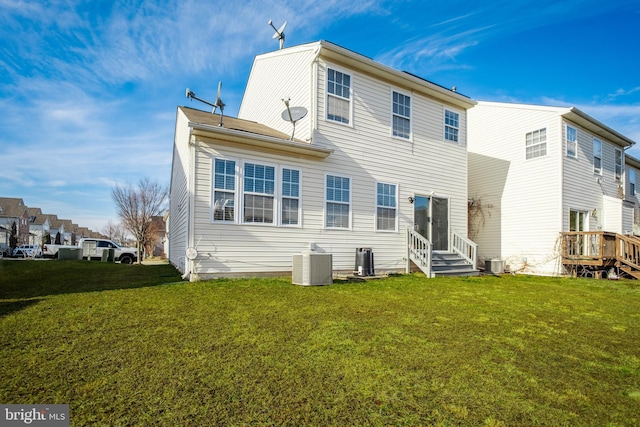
632, 169
56, 229
156, 247
380, 153
69, 232
39, 225
536, 171
13, 210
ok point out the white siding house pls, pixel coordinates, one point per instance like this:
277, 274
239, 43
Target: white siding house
379, 152
536, 171
631, 194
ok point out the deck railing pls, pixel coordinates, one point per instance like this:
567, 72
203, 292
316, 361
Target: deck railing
465, 248
418, 251
588, 247
629, 251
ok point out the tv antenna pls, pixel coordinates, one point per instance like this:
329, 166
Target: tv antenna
293, 114
279, 33
217, 104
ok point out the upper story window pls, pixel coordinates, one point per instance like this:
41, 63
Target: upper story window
259, 188
290, 210
536, 143
338, 96
451, 126
386, 207
632, 182
618, 164
401, 115
597, 156
224, 184
572, 141
338, 201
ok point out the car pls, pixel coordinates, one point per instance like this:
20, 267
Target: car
28, 251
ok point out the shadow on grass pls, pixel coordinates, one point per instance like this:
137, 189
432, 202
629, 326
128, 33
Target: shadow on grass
32, 279
8, 307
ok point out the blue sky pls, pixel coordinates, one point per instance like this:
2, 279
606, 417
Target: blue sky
89, 89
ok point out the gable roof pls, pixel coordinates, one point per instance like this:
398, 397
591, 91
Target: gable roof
247, 132
11, 207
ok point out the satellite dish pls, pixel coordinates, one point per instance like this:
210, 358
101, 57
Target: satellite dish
293, 114
279, 33
217, 104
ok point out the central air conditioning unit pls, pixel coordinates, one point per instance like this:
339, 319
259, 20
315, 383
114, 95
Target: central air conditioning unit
312, 269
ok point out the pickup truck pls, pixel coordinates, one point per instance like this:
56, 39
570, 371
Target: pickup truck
93, 248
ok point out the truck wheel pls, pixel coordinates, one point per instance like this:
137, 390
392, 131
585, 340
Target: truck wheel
126, 259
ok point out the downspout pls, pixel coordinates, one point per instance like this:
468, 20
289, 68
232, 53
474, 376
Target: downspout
188, 263
314, 94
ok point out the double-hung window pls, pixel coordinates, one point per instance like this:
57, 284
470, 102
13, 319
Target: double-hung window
597, 156
451, 126
338, 96
572, 141
338, 201
401, 115
536, 143
224, 186
386, 207
618, 164
290, 205
632, 182
259, 189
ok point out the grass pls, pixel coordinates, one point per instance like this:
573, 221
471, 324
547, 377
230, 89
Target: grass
488, 351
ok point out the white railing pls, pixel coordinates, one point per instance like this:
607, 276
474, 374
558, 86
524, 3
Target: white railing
418, 251
465, 248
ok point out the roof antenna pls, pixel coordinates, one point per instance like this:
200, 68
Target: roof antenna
218, 103
293, 114
279, 33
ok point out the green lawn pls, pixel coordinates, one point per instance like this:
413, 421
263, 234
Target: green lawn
124, 349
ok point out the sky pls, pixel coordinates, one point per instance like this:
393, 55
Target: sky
89, 89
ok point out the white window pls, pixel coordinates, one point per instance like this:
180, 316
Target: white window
632, 182
338, 201
618, 164
572, 141
224, 184
536, 143
290, 204
386, 207
401, 115
338, 96
259, 189
597, 156
451, 126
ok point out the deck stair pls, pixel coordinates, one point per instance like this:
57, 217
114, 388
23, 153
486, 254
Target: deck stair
451, 264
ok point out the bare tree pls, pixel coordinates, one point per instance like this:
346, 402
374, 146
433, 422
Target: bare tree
115, 231
137, 206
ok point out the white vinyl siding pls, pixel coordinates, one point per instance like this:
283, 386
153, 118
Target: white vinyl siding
597, 156
632, 182
338, 96
290, 212
536, 143
451, 126
401, 116
224, 185
572, 141
338, 201
386, 207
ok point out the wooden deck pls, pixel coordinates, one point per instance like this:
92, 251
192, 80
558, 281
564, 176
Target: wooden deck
599, 253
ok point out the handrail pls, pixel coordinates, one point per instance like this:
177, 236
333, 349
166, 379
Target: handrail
629, 251
464, 247
419, 249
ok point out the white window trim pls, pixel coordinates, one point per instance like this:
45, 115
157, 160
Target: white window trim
618, 176
235, 191
546, 144
276, 205
632, 182
566, 138
327, 95
444, 126
281, 196
596, 170
375, 225
410, 118
324, 208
